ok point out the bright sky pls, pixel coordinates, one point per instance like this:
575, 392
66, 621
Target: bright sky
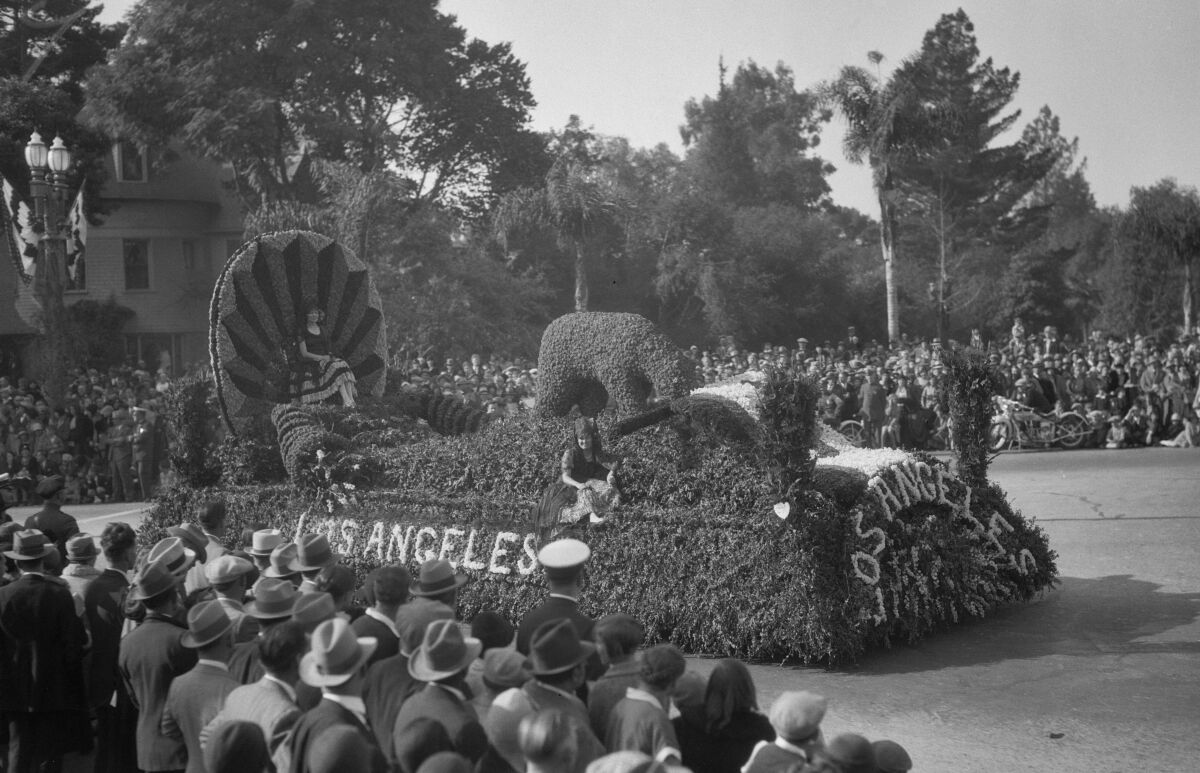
1120, 74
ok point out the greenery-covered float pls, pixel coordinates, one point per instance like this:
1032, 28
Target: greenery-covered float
746, 529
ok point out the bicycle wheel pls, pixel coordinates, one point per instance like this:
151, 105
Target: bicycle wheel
1000, 436
1072, 431
853, 431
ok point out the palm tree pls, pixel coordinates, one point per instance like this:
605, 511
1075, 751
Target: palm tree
574, 204
886, 123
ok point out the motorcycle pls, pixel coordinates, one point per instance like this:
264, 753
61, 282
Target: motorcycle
1016, 425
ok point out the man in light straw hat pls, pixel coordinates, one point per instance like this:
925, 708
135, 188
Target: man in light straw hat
337, 665
153, 655
441, 662
262, 542
42, 698
195, 697
227, 575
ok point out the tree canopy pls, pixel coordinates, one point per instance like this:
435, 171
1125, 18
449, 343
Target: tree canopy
375, 83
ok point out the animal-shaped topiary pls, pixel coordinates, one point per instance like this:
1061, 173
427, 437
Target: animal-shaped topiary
588, 357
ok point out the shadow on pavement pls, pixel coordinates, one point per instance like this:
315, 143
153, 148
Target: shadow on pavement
1106, 615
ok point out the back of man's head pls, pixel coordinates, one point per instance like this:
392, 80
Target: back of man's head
211, 515
281, 647
391, 585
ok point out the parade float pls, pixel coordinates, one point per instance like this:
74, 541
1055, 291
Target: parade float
744, 527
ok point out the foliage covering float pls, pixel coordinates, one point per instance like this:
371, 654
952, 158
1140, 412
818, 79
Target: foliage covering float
192, 430
301, 440
588, 357
257, 312
970, 385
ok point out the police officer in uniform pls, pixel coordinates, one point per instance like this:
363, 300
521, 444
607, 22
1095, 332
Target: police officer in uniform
562, 561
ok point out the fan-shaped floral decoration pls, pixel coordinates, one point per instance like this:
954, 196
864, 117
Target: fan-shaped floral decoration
257, 315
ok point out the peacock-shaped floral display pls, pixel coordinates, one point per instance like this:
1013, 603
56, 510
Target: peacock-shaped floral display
258, 322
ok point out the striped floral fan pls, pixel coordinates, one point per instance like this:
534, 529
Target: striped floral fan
257, 315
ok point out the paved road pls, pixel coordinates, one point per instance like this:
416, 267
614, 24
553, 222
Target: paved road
1102, 674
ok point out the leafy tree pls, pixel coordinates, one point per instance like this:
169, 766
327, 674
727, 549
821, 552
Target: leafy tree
962, 187
576, 204
886, 121
1166, 216
375, 83
750, 143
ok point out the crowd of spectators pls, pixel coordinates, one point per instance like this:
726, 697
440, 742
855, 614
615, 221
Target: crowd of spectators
240, 653
105, 438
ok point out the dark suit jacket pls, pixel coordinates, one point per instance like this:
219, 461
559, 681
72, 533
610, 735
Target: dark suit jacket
389, 645
328, 716
151, 658
41, 647
387, 686
192, 702
588, 746
104, 610
457, 717
554, 608
244, 664
56, 525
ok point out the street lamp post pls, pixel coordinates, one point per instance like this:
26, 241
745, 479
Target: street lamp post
48, 189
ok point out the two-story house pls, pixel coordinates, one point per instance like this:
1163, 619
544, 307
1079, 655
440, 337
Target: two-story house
158, 252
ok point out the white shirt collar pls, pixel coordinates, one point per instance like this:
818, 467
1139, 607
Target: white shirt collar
214, 663
457, 693
352, 703
287, 688
563, 596
375, 614
552, 688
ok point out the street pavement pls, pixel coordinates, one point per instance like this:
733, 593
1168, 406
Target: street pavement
1100, 675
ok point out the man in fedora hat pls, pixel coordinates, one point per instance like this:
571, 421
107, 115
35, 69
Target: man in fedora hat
51, 520
153, 655
270, 702
193, 538
284, 564
195, 698
437, 581
120, 455
441, 663
562, 562
262, 542
312, 555
389, 684
338, 724
42, 698
272, 605
227, 575
558, 659
104, 611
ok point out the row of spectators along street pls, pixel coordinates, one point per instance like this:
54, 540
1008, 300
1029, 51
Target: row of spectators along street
108, 443
276, 656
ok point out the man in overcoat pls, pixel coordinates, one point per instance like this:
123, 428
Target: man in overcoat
42, 639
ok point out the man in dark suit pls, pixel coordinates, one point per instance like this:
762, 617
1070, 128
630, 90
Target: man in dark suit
51, 520
441, 663
42, 698
562, 561
270, 702
336, 729
389, 588
151, 657
195, 698
104, 612
388, 682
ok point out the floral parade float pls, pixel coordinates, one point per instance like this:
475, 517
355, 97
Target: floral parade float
746, 529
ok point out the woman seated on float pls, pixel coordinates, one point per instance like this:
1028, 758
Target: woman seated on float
324, 374
585, 466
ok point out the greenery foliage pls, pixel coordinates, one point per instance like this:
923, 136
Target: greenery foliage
791, 431
193, 427
302, 440
588, 358
970, 385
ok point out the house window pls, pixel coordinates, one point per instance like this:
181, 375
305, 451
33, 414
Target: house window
130, 162
137, 264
